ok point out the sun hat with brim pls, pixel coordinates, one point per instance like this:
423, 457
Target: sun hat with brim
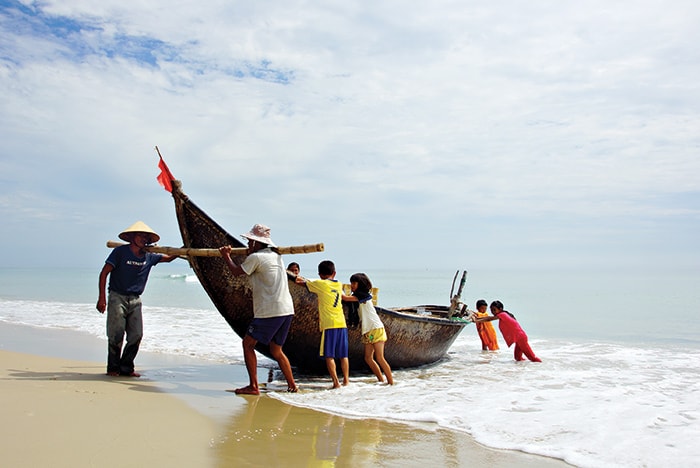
260, 233
139, 226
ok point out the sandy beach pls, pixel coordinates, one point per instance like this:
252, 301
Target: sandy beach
58, 412
59, 409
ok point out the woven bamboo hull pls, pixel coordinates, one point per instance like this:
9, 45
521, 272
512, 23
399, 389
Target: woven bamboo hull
413, 340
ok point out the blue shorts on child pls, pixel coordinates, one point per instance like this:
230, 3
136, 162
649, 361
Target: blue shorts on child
334, 343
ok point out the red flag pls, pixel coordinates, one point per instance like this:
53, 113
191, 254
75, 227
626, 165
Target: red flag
165, 177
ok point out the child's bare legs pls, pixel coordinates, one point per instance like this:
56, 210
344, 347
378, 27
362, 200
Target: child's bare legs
379, 351
345, 367
369, 359
330, 364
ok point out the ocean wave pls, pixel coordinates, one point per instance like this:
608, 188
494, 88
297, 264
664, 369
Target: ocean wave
188, 278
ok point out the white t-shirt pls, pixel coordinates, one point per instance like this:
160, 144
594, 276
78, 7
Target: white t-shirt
268, 278
369, 317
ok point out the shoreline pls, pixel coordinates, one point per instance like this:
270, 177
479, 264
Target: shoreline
65, 369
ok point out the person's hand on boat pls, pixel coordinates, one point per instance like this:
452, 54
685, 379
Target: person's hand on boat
300, 280
225, 250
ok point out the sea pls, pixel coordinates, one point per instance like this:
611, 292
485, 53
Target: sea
619, 382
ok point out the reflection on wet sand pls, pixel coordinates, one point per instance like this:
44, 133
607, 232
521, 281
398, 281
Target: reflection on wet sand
267, 432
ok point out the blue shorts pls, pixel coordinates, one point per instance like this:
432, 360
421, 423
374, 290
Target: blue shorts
334, 343
265, 330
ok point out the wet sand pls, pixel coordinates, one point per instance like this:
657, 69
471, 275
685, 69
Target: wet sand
59, 409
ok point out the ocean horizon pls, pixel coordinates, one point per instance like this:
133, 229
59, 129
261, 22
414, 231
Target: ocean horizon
618, 385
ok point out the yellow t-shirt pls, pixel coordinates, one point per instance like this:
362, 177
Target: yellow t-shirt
330, 306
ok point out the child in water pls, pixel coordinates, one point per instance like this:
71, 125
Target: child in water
511, 331
485, 329
373, 333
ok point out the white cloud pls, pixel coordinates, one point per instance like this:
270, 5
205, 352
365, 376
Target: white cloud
351, 118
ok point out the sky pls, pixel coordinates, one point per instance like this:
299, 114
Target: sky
401, 134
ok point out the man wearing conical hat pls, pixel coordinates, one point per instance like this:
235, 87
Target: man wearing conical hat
128, 267
273, 308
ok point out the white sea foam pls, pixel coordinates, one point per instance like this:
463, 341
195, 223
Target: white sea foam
591, 405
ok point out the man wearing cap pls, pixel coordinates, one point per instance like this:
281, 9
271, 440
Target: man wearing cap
128, 267
273, 308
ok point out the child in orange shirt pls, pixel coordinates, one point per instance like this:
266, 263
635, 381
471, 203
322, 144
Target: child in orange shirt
485, 329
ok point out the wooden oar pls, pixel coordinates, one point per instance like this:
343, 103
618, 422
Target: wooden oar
192, 252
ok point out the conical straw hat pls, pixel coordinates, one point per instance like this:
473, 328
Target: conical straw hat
139, 226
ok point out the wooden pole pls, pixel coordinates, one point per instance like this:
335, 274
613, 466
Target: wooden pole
192, 252
455, 300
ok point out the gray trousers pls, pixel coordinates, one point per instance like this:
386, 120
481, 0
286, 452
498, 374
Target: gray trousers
123, 316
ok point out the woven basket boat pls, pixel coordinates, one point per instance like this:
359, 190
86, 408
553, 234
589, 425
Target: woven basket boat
414, 339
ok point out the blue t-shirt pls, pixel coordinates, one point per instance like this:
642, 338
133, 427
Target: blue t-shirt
130, 272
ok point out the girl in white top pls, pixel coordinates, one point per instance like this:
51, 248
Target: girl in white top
373, 333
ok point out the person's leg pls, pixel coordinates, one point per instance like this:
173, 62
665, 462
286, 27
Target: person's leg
329, 342
525, 347
492, 339
251, 365
517, 352
369, 359
285, 367
277, 341
134, 335
482, 336
345, 367
342, 352
330, 365
379, 353
116, 325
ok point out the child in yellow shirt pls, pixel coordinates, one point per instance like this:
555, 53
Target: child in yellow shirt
334, 330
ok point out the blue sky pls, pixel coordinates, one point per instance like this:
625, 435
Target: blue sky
401, 134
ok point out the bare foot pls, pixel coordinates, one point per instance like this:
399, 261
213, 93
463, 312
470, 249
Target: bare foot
247, 391
113, 374
133, 374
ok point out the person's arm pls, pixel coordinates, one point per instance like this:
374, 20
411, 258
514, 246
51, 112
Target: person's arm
350, 298
102, 286
485, 319
226, 255
167, 258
